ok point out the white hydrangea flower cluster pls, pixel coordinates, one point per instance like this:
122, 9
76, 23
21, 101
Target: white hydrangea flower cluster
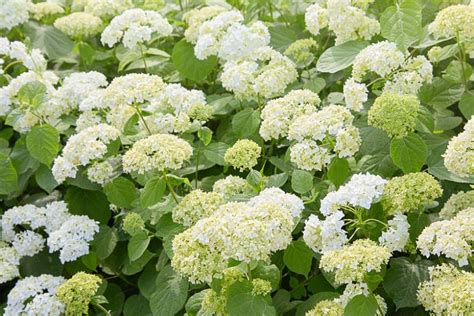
14, 12
79, 25
346, 18
448, 291
9, 262
46, 9
70, 234
157, 152
107, 9
459, 156
73, 237
135, 27
104, 171
381, 58
321, 133
362, 190
225, 36
33, 59
35, 295
196, 17
412, 74
231, 186
266, 74
82, 148
196, 205
278, 114
396, 236
350, 263
452, 238
325, 235
456, 203
355, 94
240, 231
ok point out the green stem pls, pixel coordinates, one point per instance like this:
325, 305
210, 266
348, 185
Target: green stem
196, 172
375, 220
142, 118
13, 63
462, 56
170, 188
102, 308
143, 57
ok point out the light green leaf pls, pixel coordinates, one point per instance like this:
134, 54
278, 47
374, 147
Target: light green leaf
298, 257
49, 39
361, 305
136, 305
137, 245
170, 295
339, 57
8, 175
441, 93
43, 143
301, 181
33, 93
401, 24
403, 278
409, 153
45, 179
246, 122
121, 192
152, 192
338, 171
188, 65
241, 301
466, 105
105, 241
215, 152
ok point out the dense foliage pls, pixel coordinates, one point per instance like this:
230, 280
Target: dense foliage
236, 158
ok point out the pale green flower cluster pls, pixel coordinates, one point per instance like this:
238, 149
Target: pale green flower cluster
107, 9
459, 156
351, 263
278, 114
133, 223
261, 287
302, 52
79, 25
243, 154
321, 135
231, 186
103, 172
452, 238
196, 205
347, 19
326, 308
266, 74
157, 152
245, 232
46, 9
448, 292
456, 203
77, 292
410, 192
394, 113
9, 263
196, 17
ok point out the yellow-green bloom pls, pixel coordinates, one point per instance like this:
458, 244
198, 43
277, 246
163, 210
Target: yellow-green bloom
243, 155
326, 308
79, 25
394, 113
302, 52
456, 203
77, 292
410, 192
196, 205
133, 223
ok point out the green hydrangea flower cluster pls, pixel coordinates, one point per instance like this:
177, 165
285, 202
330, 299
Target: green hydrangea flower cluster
77, 293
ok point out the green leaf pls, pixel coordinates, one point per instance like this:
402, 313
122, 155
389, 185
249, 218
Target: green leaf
85, 202
441, 93
136, 305
339, 57
137, 245
315, 84
401, 24
466, 105
45, 179
49, 39
298, 257
105, 241
170, 295
188, 65
43, 143
282, 36
8, 175
301, 181
152, 192
310, 303
338, 171
403, 278
361, 305
276, 180
41, 263
241, 301
424, 121
246, 122
418, 221
270, 273
121, 192
205, 135
409, 153
215, 153
33, 93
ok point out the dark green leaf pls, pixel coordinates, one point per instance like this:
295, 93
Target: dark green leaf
8, 175
301, 181
241, 301
43, 143
45, 179
121, 192
409, 153
361, 305
246, 122
338, 171
298, 257
137, 245
170, 295
85, 202
152, 192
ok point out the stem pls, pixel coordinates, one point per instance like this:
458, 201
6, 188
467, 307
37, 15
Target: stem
140, 114
170, 188
13, 63
143, 56
197, 169
375, 220
102, 308
462, 54
353, 234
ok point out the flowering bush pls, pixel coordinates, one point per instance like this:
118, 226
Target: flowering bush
172, 157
